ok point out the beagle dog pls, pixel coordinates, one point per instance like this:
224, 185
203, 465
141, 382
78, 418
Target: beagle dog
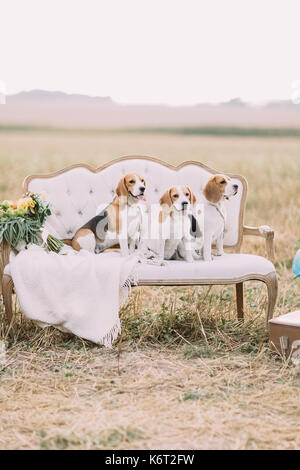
197, 239
217, 190
118, 223
175, 223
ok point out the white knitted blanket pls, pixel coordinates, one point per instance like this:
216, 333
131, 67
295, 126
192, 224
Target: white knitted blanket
78, 292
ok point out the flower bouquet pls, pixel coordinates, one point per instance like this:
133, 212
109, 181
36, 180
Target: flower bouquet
23, 221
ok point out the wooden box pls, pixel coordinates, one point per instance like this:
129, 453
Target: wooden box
285, 334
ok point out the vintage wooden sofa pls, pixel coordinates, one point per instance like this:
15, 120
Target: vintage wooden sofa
76, 191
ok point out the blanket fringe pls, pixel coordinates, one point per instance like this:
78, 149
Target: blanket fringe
143, 257
111, 335
124, 293
126, 288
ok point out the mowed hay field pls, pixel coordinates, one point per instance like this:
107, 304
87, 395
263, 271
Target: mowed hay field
190, 375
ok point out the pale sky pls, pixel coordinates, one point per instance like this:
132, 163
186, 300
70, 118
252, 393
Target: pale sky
152, 51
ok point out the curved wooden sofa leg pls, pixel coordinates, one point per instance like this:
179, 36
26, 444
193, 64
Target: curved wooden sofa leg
271, 281
240, 300
7, 290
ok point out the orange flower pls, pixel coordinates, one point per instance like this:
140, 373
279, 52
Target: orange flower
15, 205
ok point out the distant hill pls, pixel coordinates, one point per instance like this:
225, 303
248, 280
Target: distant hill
58, 109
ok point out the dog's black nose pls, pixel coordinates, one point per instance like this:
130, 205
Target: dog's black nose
236, 187
142, 189
184, 203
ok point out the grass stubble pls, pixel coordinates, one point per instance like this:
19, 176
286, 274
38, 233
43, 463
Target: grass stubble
191, 376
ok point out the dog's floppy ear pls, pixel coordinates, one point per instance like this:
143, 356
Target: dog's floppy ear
212, 191
166, 203
192, 196
121, 189
166, 198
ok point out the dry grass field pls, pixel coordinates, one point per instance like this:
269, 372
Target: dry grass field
191, 376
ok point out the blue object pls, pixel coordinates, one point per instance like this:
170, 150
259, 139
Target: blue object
296, 264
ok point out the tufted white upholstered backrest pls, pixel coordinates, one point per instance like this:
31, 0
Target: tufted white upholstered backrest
76, 192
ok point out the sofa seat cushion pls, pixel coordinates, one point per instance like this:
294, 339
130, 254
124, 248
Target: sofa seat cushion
223, 268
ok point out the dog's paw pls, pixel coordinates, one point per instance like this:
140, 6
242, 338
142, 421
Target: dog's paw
218, 253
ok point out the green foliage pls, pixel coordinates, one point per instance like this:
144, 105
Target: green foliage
23, 220
196, 395
218, 131
54, 244
57, 442
114, 437
15, 230
203, 351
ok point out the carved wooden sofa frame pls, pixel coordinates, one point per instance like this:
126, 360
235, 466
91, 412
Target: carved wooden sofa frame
269, 278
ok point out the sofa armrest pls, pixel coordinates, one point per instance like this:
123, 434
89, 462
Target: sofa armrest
265, 232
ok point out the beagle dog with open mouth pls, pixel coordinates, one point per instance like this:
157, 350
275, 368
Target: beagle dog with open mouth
175, 223
118, 223
217, 190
